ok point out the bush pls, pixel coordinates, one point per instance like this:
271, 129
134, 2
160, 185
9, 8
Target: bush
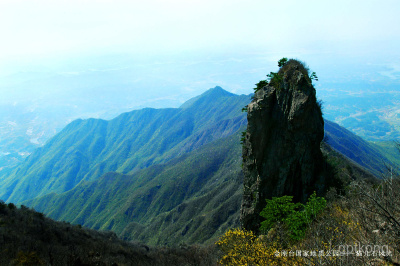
275, 79
277, 210
261, 84
241, 247
313, 76
295, 216
243, 137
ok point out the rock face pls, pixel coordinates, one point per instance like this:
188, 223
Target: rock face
281, 149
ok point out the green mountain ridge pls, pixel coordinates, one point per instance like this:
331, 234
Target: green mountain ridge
86, 149
162, 176
188, 199
366, 154
193, 191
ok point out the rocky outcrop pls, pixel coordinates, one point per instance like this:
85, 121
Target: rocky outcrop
281, 149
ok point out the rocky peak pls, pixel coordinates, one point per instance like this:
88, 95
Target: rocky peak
281, 148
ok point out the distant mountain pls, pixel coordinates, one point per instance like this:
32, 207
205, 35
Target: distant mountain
355, 148
37, 103
86, 149
191, 199
162, 176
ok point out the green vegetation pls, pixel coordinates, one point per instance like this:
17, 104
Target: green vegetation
179, 182
295, 216
186, 181
283, 61
275, 78
313, 76
298, 66
243, 137
190, 199
261, 84
278, 210
193, 198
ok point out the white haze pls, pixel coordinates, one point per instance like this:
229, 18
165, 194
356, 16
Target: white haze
61, 60
174, 47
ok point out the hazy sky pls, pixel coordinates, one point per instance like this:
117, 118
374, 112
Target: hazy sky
40, 27
69, 36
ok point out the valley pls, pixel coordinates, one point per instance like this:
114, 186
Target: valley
372, 115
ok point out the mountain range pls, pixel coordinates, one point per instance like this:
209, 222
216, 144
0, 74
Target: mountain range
161, 176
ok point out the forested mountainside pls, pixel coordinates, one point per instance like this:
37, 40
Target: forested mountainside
161, 176
190, 199
86, 149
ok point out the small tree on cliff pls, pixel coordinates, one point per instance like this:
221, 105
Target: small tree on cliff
313, 76
282, 62
260, 85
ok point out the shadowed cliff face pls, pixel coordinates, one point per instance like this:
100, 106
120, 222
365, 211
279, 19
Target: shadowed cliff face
281, 150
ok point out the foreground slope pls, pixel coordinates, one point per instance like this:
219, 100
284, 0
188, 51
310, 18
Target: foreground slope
29, 238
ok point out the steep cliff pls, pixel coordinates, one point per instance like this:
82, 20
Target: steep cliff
281, 148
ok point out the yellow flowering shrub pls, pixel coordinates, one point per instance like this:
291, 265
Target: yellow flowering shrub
241, 247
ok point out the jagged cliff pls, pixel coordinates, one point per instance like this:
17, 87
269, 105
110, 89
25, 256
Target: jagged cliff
281, 148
